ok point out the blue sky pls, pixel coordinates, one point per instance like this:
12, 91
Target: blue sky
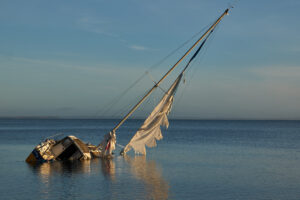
71, 58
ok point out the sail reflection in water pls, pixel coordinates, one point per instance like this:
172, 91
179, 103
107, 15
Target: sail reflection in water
146, 171
119, 178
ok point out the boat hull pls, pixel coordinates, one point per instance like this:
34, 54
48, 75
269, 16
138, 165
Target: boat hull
34, 156
69, 148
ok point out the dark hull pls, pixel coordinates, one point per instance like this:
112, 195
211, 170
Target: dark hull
69, 148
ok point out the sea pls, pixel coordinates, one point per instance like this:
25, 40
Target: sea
197, 159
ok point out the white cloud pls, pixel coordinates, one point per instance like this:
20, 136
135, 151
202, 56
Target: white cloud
52, 63
99, 26
59, 64
94, 25
138, 47
97, 69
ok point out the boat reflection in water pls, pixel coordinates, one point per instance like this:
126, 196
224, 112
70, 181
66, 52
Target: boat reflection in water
122, 177
63, 167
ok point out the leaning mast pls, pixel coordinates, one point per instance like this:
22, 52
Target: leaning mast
170, 70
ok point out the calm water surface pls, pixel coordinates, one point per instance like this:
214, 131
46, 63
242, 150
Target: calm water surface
195, 160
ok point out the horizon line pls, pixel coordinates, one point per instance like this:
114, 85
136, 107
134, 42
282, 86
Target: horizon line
142, 118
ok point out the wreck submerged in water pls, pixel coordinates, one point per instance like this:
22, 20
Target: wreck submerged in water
72, 148
68, 148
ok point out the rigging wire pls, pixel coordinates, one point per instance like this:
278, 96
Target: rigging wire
193, 70
154, 66
112, 103
144, 111
126, 107
233, 4
208, 44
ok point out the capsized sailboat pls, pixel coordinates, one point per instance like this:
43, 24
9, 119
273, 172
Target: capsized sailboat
72, 148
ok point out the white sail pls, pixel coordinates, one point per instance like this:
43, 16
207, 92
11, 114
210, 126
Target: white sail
150, 131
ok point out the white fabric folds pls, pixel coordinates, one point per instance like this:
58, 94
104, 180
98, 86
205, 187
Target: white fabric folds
150, 131
108, 144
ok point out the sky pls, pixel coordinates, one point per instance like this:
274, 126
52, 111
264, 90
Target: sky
74, 58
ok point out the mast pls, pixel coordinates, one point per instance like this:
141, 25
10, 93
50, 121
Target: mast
170, 70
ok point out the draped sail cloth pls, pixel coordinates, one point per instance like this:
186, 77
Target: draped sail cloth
108, 144
150, 131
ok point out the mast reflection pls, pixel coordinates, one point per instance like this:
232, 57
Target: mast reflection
108, 167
